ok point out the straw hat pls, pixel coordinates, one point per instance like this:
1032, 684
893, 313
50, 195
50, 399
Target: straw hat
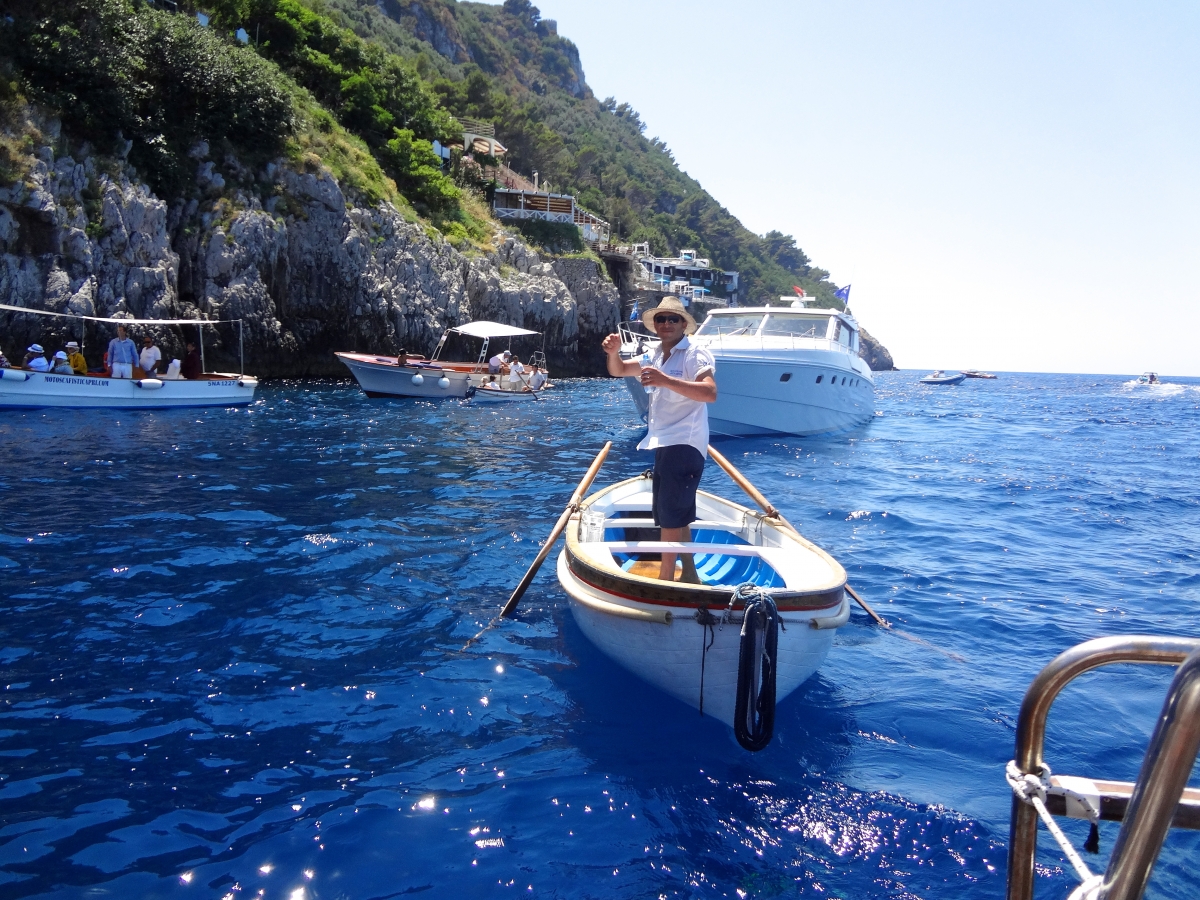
669, 305
35, 348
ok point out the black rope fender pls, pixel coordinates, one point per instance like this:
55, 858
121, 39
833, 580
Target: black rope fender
754, 711
708, 620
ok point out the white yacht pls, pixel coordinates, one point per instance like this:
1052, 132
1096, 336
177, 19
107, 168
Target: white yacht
780, 370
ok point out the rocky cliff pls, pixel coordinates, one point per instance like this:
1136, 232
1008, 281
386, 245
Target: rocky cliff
305, 268
876, 355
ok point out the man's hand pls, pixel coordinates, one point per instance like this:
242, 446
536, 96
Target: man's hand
611, 346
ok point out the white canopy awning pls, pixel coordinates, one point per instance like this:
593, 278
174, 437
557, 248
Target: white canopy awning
46, 312
491, 330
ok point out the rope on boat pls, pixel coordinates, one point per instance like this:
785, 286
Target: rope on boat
1032, 789
754, 711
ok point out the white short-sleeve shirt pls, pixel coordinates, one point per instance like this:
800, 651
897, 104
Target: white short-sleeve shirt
674, 419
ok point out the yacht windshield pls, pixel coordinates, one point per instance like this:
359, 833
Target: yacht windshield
746, 323
797, 325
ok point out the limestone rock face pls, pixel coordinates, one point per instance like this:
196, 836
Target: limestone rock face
876, 355
307, 271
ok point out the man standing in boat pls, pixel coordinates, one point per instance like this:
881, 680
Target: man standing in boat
122, 355
681, 381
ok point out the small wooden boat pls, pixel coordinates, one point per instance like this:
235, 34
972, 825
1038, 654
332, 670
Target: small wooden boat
940, 377
686, 638
972, 373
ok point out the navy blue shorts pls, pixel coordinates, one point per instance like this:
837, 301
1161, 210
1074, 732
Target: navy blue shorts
677, 471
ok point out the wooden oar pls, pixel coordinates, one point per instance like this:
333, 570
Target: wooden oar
744, 483
558, 529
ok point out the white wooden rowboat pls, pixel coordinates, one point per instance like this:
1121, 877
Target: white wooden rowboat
670, 633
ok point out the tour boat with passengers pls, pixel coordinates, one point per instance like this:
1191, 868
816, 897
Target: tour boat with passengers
29, 389
434, 379
780, 370
693, 639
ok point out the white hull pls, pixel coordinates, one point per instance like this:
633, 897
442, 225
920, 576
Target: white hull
381, 377
752, 400
669, 656
21, 389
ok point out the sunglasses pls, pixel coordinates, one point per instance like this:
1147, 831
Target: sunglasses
667, 320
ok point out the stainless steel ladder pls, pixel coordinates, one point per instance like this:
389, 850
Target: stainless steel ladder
1146, 809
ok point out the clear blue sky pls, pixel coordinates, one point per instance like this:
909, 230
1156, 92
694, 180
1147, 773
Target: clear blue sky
1006, 186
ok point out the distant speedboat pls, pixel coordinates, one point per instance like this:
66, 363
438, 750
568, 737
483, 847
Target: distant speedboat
1148, 378
972, 373
940, 377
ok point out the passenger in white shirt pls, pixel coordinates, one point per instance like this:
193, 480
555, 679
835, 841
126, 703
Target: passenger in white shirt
683, 382
35, 358
537, 379
150, 356
516, 372
497, 361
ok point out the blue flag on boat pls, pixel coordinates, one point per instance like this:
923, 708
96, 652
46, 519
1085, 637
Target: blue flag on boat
633, 316
844, 294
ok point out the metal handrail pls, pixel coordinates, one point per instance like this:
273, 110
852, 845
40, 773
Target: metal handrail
1165, 769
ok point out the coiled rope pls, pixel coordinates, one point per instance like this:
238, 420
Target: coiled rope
754, 711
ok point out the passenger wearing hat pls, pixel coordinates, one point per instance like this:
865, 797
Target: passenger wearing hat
122, 355
682, 376
62, 365
35, 358
78, 363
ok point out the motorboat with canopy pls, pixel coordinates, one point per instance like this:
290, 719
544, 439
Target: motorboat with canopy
434, 378
24, 388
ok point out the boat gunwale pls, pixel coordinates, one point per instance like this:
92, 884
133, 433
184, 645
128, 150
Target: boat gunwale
655, 592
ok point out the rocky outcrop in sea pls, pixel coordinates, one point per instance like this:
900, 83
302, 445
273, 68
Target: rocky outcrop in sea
307, 268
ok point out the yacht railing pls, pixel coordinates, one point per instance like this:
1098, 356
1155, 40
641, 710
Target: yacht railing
1146, 809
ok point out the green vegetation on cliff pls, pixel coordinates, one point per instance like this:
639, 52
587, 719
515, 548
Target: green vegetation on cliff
507, 65
365, 86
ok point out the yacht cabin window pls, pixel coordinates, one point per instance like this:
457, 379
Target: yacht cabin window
740, 324
843, 333
797, 325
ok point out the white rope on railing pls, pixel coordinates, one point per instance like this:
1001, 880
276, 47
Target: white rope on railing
1031, 789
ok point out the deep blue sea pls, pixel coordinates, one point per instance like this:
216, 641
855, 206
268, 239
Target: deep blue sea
235, 665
